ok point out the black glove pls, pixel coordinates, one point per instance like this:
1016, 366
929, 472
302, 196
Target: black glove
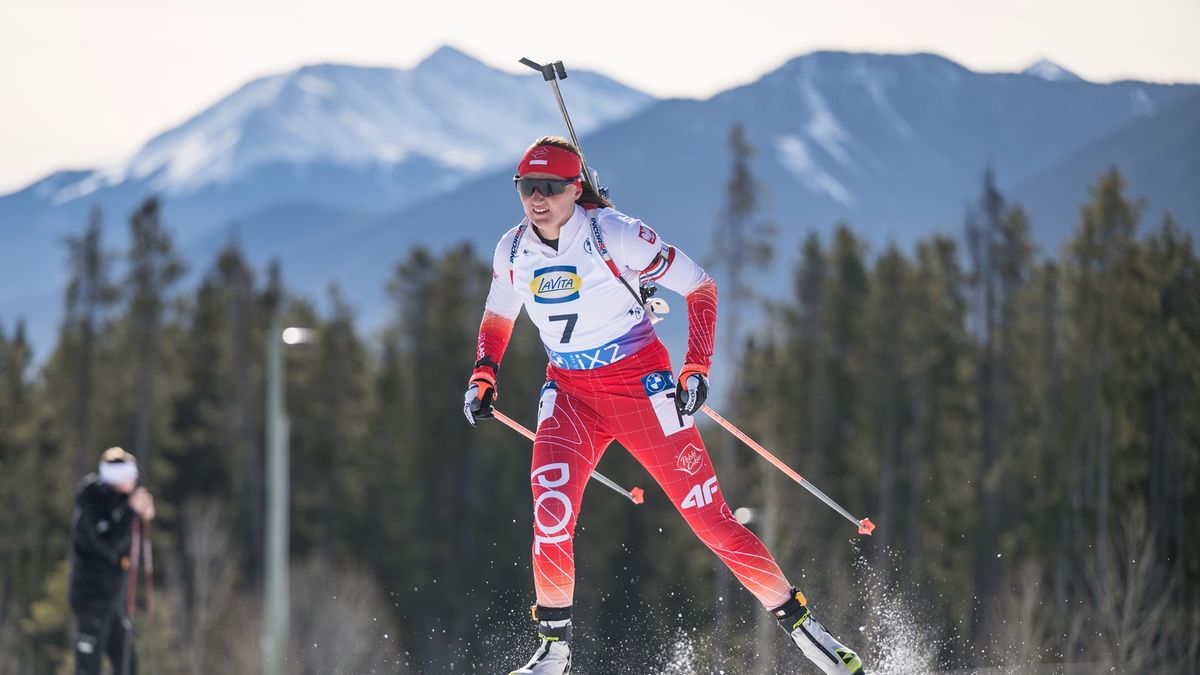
691, 391
477, 402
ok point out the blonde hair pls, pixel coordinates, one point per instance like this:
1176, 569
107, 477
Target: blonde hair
115, 454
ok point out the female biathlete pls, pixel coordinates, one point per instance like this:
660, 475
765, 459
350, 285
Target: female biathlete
609, 378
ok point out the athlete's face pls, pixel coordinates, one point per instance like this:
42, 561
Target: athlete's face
549, 212
124, 487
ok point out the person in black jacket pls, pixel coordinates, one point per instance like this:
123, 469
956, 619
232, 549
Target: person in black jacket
101, 532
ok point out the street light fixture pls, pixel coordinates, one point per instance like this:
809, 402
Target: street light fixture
294, 335
275, 637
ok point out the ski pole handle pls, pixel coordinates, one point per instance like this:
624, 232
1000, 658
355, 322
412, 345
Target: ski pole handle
865, 526
635, 494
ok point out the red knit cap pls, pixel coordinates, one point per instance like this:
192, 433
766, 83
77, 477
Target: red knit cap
550, 159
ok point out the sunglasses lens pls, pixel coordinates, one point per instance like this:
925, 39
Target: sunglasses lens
545, 186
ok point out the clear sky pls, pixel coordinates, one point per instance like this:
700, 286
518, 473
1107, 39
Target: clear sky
84, 82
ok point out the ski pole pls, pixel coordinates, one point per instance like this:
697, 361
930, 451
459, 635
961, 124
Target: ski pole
148, 579
865, 526
135, 550
148, 571
635, 495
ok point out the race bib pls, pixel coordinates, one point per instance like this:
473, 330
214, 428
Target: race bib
660, 389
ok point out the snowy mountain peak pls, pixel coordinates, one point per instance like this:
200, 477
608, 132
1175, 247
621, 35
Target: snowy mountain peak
449, 112
1048, 70
833, 66
449, 59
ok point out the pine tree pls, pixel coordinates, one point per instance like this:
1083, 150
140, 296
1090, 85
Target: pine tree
15, 407
89, 296
939, 473
244, 337
997, 238
154, 268
809, 345
217, 416
439, 303
844, 359
846, 295
882, 417
36, 488
328, 406
1098, 259
1170, 397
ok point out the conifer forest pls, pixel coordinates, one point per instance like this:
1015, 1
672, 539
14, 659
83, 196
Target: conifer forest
1022, 425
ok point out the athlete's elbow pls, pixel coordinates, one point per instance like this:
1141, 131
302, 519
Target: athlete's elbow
706, 287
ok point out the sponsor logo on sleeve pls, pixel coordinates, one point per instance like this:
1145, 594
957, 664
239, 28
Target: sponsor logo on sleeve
552, 285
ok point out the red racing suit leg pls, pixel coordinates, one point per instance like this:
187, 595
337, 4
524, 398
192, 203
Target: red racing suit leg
568, 445
580, 413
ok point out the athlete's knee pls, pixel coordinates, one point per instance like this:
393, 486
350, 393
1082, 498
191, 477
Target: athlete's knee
553, 504
729, 535
88, 653
716, 525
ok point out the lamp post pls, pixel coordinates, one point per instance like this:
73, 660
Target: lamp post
276, 600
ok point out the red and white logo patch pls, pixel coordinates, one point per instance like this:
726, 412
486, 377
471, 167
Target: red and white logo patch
550, 159
689, 460
647, 234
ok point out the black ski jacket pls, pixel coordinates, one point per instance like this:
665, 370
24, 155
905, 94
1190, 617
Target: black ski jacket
101, 529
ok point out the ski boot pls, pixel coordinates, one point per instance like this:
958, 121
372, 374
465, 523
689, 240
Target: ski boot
810, 636
553, 655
